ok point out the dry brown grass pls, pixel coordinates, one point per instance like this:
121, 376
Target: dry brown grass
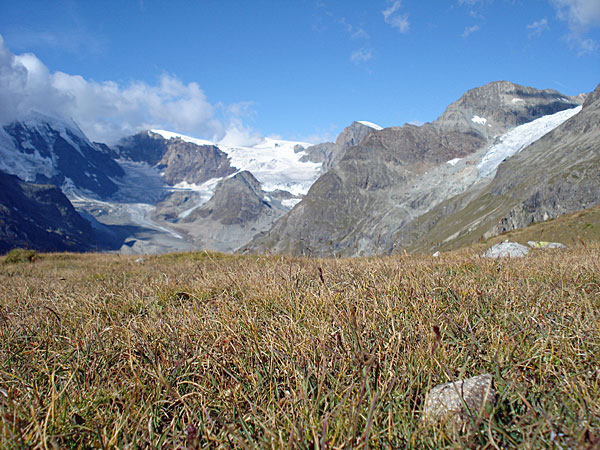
207, 350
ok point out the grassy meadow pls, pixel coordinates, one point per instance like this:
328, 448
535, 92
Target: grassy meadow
206, 350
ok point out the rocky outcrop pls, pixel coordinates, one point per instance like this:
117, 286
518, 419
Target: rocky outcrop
40, 217
329, 153
178, 160
238, 210
364, 202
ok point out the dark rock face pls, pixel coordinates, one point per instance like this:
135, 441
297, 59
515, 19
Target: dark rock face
39, 217
70, 154
179, 160
145, 147
362, 204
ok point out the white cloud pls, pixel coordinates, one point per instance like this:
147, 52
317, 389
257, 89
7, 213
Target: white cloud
538, 27
361, 55
581, 15
106, 110
396, 20
470, 30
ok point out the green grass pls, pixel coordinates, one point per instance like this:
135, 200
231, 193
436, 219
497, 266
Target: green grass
213, 351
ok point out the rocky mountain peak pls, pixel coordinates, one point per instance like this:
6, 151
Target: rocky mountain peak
237, 199
496, 107
353, 134
329, 153
592, 97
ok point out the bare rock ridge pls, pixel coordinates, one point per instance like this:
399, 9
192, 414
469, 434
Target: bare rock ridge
329, 153
395, 175
497, 107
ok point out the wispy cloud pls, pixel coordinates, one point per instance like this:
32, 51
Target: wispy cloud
355, 32
581, 16
470, 30
538, 27
361, 55
108, 110
392, 17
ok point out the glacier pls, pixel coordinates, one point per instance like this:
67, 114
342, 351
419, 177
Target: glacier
520, 137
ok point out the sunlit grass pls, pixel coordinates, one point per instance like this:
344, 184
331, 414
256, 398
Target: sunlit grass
208, 350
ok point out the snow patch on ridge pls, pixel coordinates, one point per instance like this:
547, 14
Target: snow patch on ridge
370, 124
170, 135
520, 137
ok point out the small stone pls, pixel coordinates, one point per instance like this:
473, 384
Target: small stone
544, 244
460, 403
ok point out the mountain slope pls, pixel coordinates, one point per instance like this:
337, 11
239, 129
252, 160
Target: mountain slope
238, 210
48, 150
397, 174
557, 174
40, 217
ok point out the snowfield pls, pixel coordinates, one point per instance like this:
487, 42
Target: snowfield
371, 124
272, 161
520, 137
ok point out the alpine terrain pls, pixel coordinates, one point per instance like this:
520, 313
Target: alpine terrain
370, 200
499, 158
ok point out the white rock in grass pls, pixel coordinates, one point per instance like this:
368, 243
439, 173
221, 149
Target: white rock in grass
461, 403
510, 249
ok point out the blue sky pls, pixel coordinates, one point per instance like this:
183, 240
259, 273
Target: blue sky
297, 69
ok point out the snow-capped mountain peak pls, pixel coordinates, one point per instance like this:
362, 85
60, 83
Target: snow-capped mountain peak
274, 162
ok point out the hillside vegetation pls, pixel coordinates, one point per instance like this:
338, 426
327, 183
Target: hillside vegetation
206, 350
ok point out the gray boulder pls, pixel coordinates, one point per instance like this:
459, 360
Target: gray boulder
507, 249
